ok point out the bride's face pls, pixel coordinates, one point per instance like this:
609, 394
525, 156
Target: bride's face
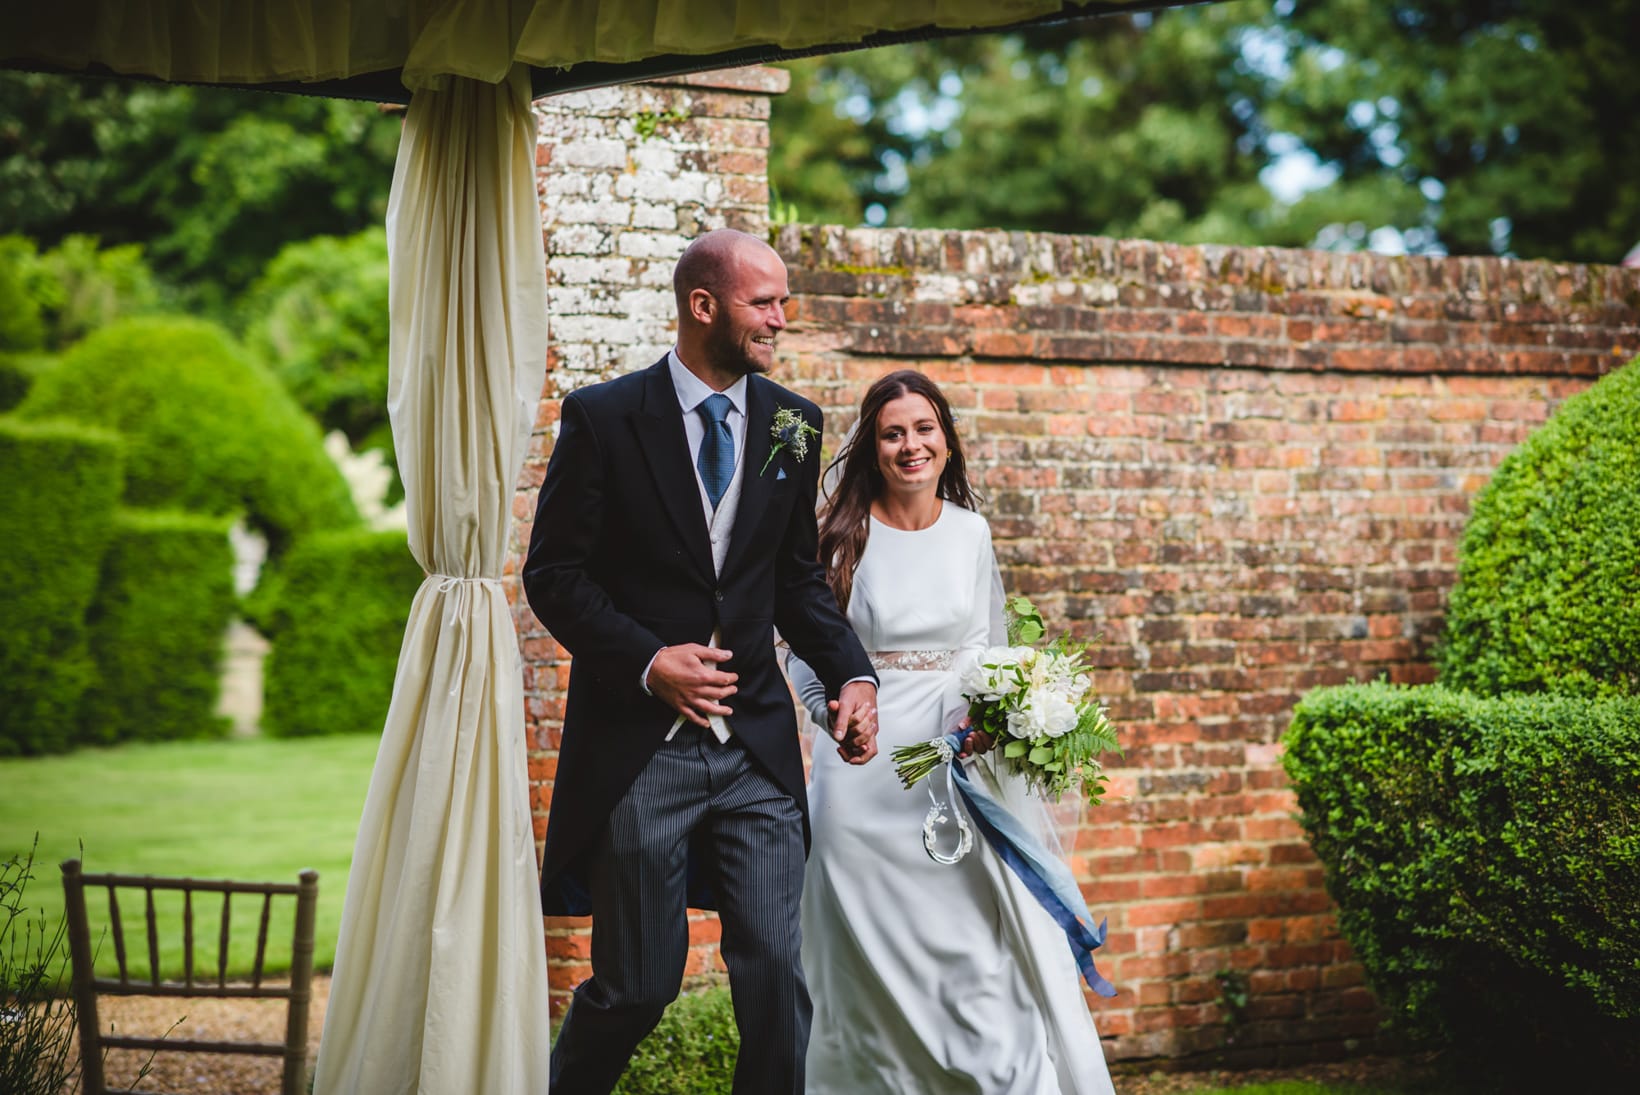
912, 449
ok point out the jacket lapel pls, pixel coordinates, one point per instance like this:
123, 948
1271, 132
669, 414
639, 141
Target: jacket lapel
755, 487
659, 428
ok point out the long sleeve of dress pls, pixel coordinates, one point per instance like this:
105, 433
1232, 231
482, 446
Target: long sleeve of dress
810, 691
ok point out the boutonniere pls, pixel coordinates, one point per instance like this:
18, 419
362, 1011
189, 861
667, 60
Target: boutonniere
789, 431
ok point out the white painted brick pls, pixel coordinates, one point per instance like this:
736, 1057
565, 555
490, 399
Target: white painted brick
591, 271
648, 305
590, 152
602, 100
649, 215
591, 212
580, 239
649, 245
656, 155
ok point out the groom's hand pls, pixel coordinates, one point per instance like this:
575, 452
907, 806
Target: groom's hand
854, 721
687, 679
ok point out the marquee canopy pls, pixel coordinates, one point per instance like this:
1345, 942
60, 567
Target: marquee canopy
385, 49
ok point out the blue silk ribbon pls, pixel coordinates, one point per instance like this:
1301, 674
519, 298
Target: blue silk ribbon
1043, 873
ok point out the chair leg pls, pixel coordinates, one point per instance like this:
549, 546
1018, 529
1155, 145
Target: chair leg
301, 983
85, 995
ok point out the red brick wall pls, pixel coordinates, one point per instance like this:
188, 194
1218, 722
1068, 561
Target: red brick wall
1244, 472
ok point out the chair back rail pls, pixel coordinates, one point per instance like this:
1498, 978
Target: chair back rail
87, 986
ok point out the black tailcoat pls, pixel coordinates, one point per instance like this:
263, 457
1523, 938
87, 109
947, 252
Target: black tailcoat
620, 565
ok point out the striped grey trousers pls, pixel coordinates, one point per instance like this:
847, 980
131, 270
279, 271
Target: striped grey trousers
746, 834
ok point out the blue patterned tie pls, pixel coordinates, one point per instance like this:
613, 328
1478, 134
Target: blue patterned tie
717, 449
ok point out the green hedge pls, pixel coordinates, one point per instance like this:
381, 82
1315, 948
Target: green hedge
157, 627
207, 430
17, 374
1548, 593
691, 1051
1484, 854
336, 623
57, 497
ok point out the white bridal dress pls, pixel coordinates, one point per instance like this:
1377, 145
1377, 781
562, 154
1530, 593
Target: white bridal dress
928, 978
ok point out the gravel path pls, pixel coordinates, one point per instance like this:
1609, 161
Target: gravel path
203, 1073
263, 1020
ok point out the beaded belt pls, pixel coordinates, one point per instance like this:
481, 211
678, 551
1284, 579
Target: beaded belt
912, 659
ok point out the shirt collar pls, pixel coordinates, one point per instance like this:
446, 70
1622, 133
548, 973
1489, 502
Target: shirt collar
692, 390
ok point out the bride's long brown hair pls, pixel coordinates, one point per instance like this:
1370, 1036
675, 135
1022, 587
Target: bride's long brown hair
845, 518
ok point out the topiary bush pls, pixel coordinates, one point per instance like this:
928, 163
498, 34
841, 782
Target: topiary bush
691, 1051
207, 430
61, 483
17, 374
1484, 853
156, 629
336, 621
1548, 592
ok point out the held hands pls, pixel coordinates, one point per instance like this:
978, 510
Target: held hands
854, 721
974, 742
687, 679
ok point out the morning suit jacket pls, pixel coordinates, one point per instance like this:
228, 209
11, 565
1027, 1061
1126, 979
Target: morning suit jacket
620, 565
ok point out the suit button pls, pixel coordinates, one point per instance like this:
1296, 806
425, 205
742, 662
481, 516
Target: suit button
717, 595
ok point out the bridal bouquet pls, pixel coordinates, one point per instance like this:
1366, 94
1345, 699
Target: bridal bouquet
1037, 702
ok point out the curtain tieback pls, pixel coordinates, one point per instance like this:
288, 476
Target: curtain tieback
448, 583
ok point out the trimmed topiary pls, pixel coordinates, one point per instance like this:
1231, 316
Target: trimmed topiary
1484, 853
207, 430
339, 608
60, 487
1548, 593
156, 629
17, 374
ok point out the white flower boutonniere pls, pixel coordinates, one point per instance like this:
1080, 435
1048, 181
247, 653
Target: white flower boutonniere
789, 431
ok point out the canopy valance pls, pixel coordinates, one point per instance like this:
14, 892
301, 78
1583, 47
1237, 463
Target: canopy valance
384, 49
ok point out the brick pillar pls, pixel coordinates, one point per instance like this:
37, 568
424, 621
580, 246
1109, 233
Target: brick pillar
627, 177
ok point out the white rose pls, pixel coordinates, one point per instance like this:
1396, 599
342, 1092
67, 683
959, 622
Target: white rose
1047, 713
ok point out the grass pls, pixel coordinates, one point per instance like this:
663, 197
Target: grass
250, 810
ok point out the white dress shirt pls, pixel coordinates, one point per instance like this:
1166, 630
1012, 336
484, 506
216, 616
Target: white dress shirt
720, 521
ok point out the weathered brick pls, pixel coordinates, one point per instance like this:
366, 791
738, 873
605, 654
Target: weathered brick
1244, 471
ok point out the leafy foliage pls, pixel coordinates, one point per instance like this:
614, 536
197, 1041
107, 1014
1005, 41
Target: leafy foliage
1459, 126
691, 1051
55, 298
207, 430
156, 626
1484, 854
318, 318
214, 181
60, 484
1548, 593
1513, 120
337, 620
36, 1023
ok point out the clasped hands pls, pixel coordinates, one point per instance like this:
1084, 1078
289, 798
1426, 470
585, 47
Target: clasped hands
687, 678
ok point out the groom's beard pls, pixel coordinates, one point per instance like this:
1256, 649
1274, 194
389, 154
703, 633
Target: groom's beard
732, 352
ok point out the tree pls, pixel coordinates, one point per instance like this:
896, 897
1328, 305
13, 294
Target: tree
1513, 120
1460, 126
212, 181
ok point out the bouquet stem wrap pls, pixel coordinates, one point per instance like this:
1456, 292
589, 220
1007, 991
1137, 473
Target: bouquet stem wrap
1043, 873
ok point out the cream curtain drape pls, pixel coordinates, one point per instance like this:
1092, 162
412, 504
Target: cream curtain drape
440, 983
240, 42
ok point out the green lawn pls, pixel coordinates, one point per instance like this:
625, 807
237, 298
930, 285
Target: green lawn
252, 810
